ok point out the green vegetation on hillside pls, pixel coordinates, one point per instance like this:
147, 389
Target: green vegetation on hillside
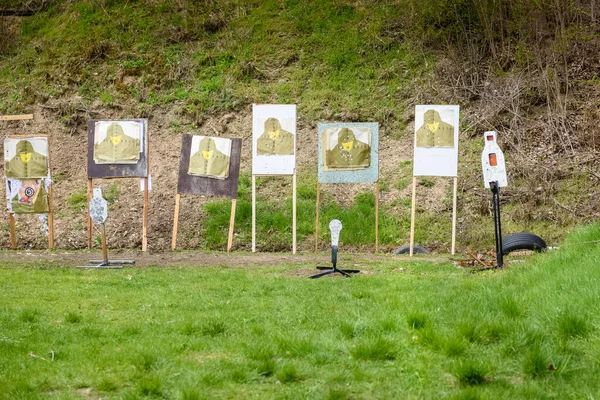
330, 58
422, 331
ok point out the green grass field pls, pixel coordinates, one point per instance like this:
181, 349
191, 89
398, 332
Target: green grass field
428, 330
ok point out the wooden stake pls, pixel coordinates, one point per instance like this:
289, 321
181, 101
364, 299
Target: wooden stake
145, 217
104, 246
231, 225
253, 213
175, 222
317, 217
412, 216
454, 216
50, 219
13, 235
15, 117
376, 217
294, 213
50, 207
89, 218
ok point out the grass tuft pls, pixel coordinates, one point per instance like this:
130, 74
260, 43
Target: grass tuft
571, 325
417, 320
470, 373
375, 350
214, 328
147, 361
29, 315
338, 394
350, 330
288, 374
150, 385
107, 384
73, 318
535, 363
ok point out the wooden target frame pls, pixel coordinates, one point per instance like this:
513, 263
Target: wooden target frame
274, 165
205, 186
113, 171
376, 217
413, 212
294, 241
437, 158
369, 174
11, 216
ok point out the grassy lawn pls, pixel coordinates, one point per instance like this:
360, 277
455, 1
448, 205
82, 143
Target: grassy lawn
428, 330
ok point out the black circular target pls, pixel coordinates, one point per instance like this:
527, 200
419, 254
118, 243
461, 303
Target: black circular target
29, 192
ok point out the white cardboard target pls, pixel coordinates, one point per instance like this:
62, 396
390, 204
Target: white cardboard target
273, 164
436, 161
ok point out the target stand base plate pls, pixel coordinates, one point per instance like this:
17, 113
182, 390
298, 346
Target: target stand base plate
107, 264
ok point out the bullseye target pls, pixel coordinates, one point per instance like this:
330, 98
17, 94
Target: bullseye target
29, 192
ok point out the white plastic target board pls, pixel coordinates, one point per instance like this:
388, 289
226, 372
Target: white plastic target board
273, 139
492, 161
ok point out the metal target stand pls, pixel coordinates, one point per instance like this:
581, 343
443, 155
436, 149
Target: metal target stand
335, 226
494, 176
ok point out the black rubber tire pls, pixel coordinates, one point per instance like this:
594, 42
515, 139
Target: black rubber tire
522, 241
416, 250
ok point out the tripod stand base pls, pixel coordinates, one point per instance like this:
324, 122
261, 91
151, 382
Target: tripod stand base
333, 270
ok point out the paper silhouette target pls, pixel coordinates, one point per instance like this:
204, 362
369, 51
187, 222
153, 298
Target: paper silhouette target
348, 152
347, 148
118, 149
210, 157
209, 166
436, 140
26, 158
27, 175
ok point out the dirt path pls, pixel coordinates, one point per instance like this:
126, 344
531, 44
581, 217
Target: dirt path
200, 259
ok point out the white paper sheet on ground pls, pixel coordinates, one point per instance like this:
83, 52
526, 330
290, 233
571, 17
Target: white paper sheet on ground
273, 164
436, 161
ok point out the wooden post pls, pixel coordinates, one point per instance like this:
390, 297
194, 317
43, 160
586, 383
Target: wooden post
454, 216
15, 117
50, 219
377, 217
89, 218
175, 222
13, 235
231, 225
412, 216
145, 216
317, 217
253, 213
104, 245
294, 213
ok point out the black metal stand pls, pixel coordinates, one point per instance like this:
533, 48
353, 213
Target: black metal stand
334, 269
497, 224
